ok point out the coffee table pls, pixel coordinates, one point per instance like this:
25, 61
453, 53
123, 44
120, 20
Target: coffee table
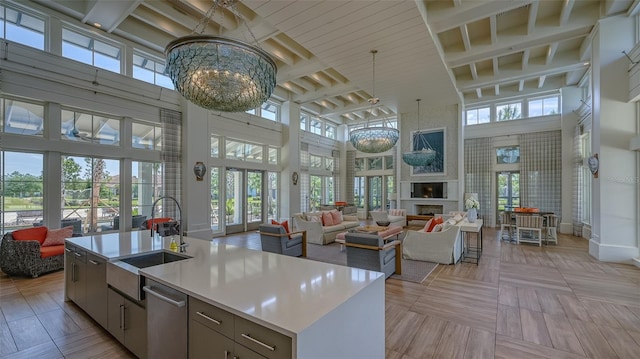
387, 233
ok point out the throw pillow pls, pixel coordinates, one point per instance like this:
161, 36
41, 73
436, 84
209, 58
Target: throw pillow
56, 237
395, 212
30, 234
435, 222
284, 224
457, 218
327, 219
438, 227
336, 216
427, 226
314, 216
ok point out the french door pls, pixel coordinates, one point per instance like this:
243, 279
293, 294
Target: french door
508, 190
244, 199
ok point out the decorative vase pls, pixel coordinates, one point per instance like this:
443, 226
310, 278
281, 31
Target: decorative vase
472, 215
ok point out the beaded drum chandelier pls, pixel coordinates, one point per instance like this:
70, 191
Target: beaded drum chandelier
220, 73
374, 139
425, 155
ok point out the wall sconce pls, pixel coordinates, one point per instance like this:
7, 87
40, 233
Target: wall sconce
294, 178
594, 165
199, 169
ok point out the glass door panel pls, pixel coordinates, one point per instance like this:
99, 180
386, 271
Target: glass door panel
254, 199
216, 209
234, 200
375, 193
508, 190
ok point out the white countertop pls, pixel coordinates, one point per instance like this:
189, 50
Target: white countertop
284, 293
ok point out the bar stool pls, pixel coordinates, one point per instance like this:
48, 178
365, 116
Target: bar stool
531, 224
551, 228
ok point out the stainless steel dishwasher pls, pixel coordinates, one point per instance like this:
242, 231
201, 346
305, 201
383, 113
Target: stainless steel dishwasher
166, 321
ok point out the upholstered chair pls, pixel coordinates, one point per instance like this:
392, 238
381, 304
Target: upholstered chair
368, 251
275, 239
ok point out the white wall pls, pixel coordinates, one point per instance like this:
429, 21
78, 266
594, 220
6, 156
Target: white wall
570, 102
615, 192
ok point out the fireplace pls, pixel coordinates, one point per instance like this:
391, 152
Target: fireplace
429, 209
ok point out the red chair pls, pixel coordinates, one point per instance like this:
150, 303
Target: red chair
147, 224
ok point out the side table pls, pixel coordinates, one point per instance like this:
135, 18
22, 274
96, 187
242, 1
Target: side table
469, 252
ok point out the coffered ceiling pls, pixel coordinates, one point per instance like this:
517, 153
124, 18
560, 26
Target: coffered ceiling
442, 51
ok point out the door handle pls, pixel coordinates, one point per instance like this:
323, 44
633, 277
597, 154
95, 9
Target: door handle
122, 316
209, 318
149, 290
247, 336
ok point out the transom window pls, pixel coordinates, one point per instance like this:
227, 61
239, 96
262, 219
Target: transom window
244, 151
509, 111
85, 127
315, 126
91, 51
478, 115
146, 69
544, 106
146, 136
330, 131
20, 27
22, 118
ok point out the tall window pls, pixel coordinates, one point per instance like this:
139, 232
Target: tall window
358, 191
216, 209
304, 120
22, 184
586, 179
544, 106
22, 118
272, 198
270, 111
90, 191
146, 186
91, 51
146, 69
315, 192
85, 127
478, 115
23, 28
509, 111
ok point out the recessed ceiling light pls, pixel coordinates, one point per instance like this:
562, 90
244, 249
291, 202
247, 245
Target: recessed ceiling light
586, 64
97, 24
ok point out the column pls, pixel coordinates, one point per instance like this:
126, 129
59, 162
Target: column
290, 159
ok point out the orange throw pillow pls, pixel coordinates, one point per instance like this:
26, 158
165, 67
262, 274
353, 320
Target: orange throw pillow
336, 216
285, 224
435, 221
57, 236
427, 225
30, 234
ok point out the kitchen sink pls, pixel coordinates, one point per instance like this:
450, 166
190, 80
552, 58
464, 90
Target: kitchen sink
153, 259
123, 274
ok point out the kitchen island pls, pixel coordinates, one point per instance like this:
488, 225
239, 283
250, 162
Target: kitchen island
324, 310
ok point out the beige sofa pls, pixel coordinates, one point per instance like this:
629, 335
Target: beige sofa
398, 218
319, 234
443, 247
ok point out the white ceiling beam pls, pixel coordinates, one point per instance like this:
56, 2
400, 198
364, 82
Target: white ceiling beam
305, 84
479, 92
533, 14
561, 65
143, 33
496, 89
146, 16
509, 44
525, 58
278, 52
520, 85
335, 76
109, 14
292, 46
573, 77
634, 9
567, 7
541, 81
474, 70
493, 25
324, 92
169, 11
551, 52
470, 11
294, 88
464, 32
225, 19
496, 66
322, 79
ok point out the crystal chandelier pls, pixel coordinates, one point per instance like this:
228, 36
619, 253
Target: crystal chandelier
220, 73
423, 156
374, 139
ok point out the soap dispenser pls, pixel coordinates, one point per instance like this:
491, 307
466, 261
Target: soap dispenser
173, 246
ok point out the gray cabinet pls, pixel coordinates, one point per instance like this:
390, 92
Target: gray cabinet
216, 333
127, 322
75, 274
96, 289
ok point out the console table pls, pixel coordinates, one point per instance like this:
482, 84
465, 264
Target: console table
467, 228
418, 217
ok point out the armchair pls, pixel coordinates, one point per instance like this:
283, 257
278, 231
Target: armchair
275, 239
25, 254
396, 217
439, 247
368, 251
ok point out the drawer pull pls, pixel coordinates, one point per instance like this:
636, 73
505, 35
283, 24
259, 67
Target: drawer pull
78, 254
247, 336
68, 250
209, 318
93, 262
177, 303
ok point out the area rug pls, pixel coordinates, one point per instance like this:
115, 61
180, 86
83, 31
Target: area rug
412, 271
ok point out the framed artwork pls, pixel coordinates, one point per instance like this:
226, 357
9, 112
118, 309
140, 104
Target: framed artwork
436, 140
508, 155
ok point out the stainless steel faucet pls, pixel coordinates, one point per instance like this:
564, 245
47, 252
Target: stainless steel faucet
182, 244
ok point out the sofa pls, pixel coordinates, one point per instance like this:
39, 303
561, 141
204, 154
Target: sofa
396, 217
442, 245
33, 251
322, 232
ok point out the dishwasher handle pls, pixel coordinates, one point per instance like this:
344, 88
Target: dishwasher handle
150, 290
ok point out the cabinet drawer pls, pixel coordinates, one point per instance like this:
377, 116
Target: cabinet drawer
262, 340
212, 317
